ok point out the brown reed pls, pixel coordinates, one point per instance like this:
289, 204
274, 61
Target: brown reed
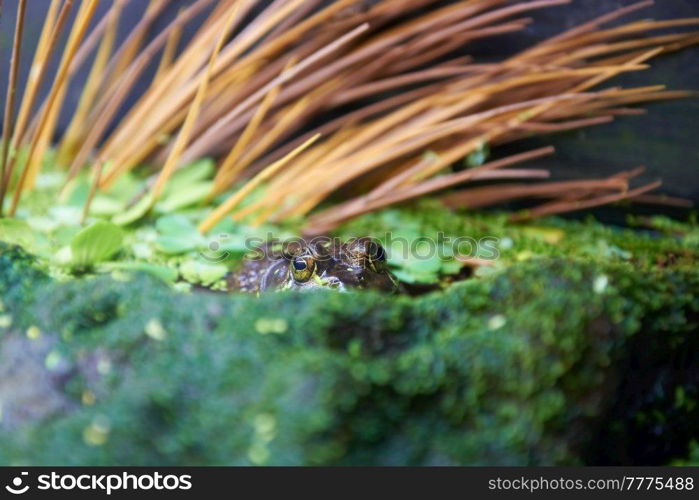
259, 96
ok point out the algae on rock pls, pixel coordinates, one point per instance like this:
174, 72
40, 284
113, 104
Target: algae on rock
537, 363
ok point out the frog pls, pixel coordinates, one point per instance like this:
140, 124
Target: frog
357, 264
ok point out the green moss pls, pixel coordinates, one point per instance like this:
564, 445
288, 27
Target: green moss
577, 344
528, 365
664, 242
21, 279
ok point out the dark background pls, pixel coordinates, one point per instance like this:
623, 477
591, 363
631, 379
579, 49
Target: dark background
666, 140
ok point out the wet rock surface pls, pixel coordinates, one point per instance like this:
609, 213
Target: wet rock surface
537, 364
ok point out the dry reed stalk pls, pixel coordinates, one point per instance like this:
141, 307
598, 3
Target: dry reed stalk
48, 115
50, 32
46, 44
8, 115
183, 136
77, 129
107, 107
236, 198
45, 122
557, 207
383, 73
231, 165
166, 60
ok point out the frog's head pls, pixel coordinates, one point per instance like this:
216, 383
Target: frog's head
357, 264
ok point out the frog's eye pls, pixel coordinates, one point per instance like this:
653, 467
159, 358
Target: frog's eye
376, 252
302, 268
376, 256
291, 249
368, 253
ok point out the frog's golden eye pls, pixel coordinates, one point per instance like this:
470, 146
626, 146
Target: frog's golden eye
367, 253
302, 268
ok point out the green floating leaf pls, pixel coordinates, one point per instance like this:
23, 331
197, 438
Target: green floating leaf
201, 272
66, 215
96, 243
63, 256
184, 197
177, 235
135, 212
17, 232
172, 245
79, 193
43, 224
164, 273
175, 225
235, 243
185, 177
104, 206
126, 187
64, 235
419, 270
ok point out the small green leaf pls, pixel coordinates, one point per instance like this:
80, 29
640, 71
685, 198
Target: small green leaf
201, 272
96, 243
43, 224
236, 243
66, 215
135, 212
185, 177
177, 235
103, 206
80, 192
174, 245
175, 225
17, 232
63, 256
165, 273
64, 235
184, 197
126, 187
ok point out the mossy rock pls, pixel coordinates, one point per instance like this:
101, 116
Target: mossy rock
548, 361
